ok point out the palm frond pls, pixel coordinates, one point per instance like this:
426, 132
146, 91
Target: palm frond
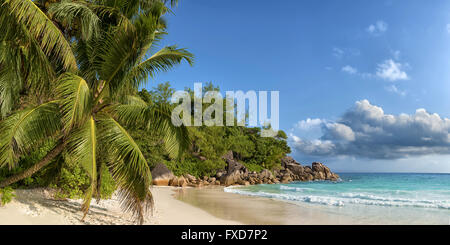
128, 167
86, 52
158, 118
104, 11
69, 13
82, 146
133, 100
51, 39
23, 64
162, 61
117, 55
11, 83
76, 100
24, 130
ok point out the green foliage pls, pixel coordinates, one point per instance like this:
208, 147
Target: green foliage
253, 167
108, 185
72, 182
67, 177
209, 144
150, 145
42, 178
254, 151
6, 195
195, 167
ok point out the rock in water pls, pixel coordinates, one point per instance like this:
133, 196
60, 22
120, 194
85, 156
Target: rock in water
162, 175
322, 172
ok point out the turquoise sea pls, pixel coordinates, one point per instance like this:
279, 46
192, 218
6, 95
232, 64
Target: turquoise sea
372, 198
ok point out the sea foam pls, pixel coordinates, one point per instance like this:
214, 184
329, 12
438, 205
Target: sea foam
296, 194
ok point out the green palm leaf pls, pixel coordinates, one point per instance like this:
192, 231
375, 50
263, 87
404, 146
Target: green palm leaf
68, 12
42, 28
23, 64
163, 60
128, 167
24, 130
156, 117
76, 100
104, 11
82, 146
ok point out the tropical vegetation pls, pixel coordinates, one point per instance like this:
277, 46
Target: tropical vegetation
69, 75
209, 144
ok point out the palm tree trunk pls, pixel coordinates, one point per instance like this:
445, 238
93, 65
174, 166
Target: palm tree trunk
27, 173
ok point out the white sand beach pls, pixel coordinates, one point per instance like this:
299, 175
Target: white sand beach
37, 207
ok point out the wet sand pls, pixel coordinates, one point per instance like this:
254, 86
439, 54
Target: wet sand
257, 210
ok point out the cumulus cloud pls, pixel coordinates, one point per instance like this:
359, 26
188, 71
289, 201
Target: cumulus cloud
339, 131
309, 123
392, 71
366, 131
378, 28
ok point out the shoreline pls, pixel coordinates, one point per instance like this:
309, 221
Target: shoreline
252, 210
199, 206
259, 210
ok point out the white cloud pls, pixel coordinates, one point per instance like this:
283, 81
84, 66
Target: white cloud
378, 28
341, 131
312, 147
396, 90
367, 131
391, 70
308, 123
353, 71
349, 69
309, 129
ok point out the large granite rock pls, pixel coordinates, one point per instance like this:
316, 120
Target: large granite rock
234, 171
322, 172
161, 175
295, 167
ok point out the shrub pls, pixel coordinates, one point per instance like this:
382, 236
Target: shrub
6, 195
72, 181
108, 185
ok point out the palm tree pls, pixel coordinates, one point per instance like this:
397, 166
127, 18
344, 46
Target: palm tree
81, 63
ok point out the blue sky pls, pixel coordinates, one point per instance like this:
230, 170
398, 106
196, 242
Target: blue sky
334, 62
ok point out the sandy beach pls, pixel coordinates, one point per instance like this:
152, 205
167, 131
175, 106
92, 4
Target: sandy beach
36, 207
173, 206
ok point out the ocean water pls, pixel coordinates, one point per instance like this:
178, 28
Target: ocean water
372, 198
